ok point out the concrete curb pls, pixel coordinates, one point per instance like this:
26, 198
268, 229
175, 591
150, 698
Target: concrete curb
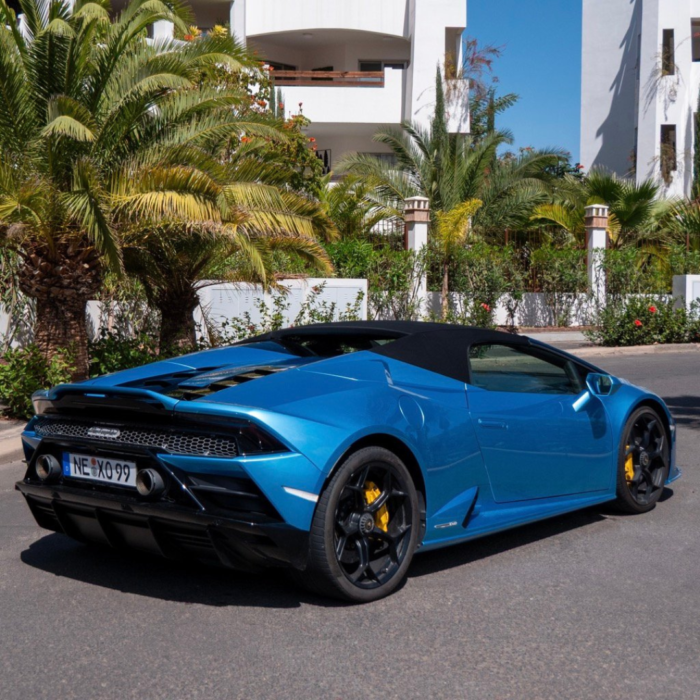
10, 443
637, 350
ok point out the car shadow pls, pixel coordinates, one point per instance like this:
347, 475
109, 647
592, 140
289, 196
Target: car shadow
152, 577
491, 545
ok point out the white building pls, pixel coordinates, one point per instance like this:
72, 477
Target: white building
356, 66
640, 88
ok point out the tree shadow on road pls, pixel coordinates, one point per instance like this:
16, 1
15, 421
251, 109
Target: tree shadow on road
685, 409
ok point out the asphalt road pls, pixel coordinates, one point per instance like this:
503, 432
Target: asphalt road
592, 605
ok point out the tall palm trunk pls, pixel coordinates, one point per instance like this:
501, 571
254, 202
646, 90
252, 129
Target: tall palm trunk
177, 328
61, 280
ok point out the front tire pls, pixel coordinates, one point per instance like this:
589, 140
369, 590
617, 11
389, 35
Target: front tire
365, 529
643, 462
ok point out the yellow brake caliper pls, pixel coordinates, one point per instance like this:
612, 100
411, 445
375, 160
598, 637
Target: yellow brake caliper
629, 466
372, 493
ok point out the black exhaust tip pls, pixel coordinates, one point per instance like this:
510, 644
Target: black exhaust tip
47, 468
149, 483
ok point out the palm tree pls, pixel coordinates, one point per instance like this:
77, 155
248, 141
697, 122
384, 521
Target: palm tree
450, 170
175, 260
452, 230
352, 206
101, 128
636, 212
455, 171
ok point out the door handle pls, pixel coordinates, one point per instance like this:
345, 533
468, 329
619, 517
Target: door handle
496, 424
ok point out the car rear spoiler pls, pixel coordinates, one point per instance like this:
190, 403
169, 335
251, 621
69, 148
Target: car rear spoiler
69, 398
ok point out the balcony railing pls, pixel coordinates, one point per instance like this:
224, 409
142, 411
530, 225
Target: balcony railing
329, 78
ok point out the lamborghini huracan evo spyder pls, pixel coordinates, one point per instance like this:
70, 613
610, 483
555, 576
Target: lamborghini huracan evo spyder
338, 450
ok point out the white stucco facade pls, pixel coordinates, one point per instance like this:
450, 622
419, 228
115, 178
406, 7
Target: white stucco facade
640, 87
405, 40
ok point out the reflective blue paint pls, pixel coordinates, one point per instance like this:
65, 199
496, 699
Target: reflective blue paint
539, 446
509, 458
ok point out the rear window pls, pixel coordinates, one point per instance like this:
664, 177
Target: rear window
322, 344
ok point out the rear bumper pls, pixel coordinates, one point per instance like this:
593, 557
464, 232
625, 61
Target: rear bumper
166, 529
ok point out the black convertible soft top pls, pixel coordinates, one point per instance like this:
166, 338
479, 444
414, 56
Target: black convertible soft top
438, 347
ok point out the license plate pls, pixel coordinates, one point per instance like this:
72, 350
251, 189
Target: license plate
109, 471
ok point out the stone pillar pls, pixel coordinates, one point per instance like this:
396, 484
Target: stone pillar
596, 243
417, 216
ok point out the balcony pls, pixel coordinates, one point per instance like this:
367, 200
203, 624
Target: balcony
345, 97
305, 78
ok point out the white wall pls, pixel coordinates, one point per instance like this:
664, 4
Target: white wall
223, 302
270, 16
428, 26
609, 83
533, 311
667, 100
342, 50
431, 26
622, 88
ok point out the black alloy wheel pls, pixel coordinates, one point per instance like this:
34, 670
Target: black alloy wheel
643, 463
365, 529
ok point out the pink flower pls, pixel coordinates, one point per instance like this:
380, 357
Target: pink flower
638, 323
486, 307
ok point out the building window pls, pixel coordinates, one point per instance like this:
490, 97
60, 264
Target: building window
668, 53
326, 157
695, 38
668, 155
378, 66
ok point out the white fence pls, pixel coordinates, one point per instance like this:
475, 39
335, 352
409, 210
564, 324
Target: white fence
222, 302
532, 311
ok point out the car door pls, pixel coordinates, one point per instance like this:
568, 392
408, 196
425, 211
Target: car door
538, 435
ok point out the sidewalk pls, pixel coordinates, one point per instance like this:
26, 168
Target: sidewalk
10, 443
577, 344
570, 341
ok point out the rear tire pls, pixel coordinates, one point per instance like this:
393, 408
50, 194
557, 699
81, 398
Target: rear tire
643, 462
365, 529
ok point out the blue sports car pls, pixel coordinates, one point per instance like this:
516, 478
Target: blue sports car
339, 450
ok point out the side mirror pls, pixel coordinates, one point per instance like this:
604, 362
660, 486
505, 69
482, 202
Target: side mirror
600, 384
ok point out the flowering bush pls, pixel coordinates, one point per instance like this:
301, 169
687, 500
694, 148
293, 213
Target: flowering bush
645, 321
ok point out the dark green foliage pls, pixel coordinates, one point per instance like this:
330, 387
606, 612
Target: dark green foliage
480, 275
560, 273
22, 372
112, 352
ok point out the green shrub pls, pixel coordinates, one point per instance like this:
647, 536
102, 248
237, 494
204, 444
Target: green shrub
646, 321
481, 275
22, 372
114, 351
561, 274
351, 258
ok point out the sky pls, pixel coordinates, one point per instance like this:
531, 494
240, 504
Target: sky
541, 62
